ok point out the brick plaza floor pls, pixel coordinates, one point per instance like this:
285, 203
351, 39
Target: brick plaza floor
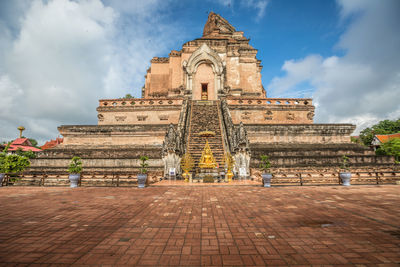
202, 225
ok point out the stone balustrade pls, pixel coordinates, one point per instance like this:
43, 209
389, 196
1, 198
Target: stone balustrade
300, 177
178, 101
270, 101
139, 102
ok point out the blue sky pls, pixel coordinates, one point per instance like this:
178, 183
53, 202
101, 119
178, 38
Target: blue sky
287, 29
58, 57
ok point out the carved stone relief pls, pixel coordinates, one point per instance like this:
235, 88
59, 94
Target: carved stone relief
268, 115
142, 117
163, 117
120, 118
310, 115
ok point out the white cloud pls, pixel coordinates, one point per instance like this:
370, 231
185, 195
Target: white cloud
297, 71
363, 86
226, 3
258, 5
63, 55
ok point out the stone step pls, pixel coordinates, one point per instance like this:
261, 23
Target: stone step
205, 117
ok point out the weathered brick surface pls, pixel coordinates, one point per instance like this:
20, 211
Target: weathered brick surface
200, 226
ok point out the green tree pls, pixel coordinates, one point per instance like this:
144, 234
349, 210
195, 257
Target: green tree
127, 96
3, 162
16, 163
383, 127
392, 148
33, 142
29, 154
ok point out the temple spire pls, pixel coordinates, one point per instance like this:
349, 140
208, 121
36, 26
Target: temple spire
217, 25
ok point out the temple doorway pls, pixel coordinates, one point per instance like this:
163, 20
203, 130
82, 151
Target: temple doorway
204, 91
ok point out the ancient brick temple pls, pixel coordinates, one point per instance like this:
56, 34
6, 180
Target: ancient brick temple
212, 83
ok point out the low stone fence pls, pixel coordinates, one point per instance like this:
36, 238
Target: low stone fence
117, 178
112, 178
327, 177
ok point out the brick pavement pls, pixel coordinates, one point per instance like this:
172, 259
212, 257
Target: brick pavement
203, 225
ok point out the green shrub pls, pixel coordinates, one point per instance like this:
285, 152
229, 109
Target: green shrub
15, 164
75, 166
143, 164
345, 163
265, 164
29, 154
2, 162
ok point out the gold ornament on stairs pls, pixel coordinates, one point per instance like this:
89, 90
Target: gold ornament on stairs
207, 160
230, 161
187, 164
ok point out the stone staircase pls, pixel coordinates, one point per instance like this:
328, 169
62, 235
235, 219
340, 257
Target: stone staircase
205, 117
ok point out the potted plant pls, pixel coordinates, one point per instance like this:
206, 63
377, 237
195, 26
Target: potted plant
75, 169
345, 174
265, 166
142, 176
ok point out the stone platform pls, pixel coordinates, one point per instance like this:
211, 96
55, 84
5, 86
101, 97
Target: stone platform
183, 183
200, 226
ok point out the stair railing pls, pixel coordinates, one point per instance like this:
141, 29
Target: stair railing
183, 125
223, 128
228, 127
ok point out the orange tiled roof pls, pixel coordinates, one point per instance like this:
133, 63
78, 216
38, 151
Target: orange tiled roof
21, 141
386, 137
52, 143
24, 148
24, 144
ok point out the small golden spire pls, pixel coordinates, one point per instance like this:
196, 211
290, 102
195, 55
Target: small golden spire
21, 129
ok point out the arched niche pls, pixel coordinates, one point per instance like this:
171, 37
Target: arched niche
198, 67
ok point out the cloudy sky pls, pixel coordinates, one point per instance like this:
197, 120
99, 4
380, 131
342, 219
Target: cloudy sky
58, 57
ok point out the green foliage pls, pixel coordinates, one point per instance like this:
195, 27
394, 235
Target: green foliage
3, 162
392, 148
143, 164
127, 96
383, 127
33, 142
29, 154
75, 166
16, 163
355, 140
265, 164
7, 147
345, 163
380, 152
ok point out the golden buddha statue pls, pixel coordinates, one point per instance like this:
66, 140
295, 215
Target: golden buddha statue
207, 160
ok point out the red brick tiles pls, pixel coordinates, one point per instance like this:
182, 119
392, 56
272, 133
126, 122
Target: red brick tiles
200, 226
